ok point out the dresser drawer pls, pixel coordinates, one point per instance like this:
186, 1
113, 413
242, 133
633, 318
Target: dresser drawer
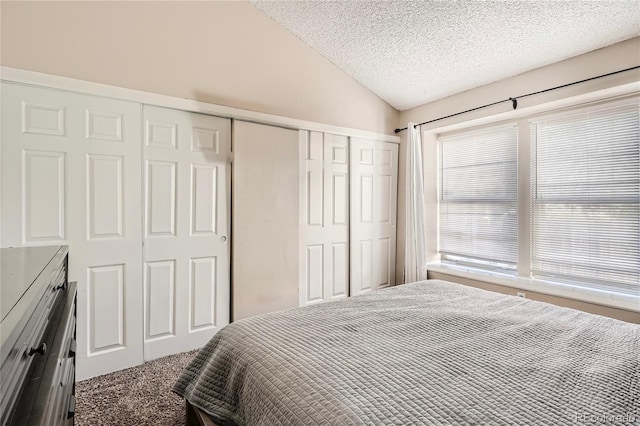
53, 390
37, 325
28, 345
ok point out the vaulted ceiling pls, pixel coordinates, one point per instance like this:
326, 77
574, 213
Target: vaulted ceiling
413, 52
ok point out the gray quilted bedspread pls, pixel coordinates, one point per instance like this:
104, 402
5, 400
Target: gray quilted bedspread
429, 353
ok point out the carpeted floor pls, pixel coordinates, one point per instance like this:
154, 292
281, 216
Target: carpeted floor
136, 396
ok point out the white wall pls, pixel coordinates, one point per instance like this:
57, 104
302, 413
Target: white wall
222, 52
620, 314
618, 56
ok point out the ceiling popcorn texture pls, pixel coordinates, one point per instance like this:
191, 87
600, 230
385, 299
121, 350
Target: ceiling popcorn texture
413, 52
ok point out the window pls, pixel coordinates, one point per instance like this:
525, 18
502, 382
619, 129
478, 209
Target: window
585, 175
582, 228
479, 198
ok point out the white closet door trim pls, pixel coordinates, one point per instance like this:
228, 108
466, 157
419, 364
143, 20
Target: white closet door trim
97, 89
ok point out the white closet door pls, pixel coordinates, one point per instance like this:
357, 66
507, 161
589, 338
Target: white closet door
324, 253
186, 230
374, 192
71, 171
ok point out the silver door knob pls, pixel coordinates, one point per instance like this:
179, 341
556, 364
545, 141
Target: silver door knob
223, 238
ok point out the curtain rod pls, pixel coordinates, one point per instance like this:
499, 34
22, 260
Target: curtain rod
514, 100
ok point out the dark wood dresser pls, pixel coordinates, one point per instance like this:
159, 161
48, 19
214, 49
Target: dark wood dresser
37, 337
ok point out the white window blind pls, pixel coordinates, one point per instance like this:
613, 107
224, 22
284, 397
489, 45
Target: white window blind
585, 198
479, 197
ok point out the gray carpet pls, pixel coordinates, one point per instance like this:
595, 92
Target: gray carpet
136, 396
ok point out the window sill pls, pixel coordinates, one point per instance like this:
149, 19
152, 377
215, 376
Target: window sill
614, 300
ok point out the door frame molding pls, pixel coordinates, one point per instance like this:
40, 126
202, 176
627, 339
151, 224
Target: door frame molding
16, 75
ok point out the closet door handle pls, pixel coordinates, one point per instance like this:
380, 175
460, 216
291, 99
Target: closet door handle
39, 350
223, 238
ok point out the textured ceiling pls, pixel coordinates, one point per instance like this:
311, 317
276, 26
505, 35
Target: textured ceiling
413, 52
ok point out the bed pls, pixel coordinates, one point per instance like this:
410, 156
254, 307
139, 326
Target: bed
428, 353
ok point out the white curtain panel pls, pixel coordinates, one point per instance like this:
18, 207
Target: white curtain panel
415, 260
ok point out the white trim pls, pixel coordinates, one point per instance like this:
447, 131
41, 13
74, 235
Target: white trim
465, 133
16, 75
576, 110
597, 297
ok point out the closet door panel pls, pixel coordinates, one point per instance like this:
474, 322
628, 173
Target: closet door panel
106, 321
340, 270
71, 175
336, 229
44, 196
186, 247
105, 203
160, 291
324, 217
314, 179
202, 293
362, 269
315, 272
160, 197
374, 171
106, 234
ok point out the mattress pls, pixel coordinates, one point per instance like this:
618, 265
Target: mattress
428, 353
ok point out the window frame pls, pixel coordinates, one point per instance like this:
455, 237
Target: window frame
491, 265
523, 278
533, 141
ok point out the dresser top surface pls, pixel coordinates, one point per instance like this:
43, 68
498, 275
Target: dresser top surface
19, 268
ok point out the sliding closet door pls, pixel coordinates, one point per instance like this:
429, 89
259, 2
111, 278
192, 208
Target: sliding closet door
374, 192
71, 171
186, 229
265, 219
324, 217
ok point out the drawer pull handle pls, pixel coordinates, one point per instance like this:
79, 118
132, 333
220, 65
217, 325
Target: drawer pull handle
40, 350
62, 286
